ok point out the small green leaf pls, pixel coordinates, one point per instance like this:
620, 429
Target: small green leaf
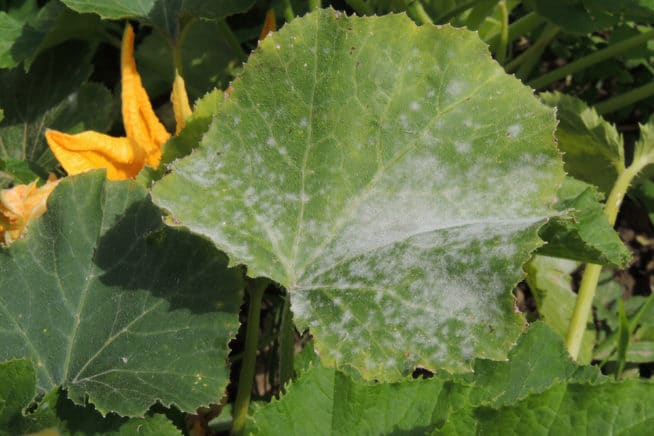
584, 234
376, 181
593, 150
550, 283
114, 306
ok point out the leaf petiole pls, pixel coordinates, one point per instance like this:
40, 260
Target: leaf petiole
256, 290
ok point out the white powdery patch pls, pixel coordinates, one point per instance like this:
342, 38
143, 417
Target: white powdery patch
514, 130
455, 88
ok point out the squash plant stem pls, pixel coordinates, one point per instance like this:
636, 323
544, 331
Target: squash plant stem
245, 379
286, 344
415, 10
623, 100
590, 277
533, 53
520, 27
592, 59
500, 54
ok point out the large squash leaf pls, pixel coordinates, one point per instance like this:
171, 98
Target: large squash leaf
326, 401
391, 177
110, 305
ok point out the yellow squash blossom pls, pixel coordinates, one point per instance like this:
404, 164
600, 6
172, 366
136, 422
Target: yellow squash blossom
122, 157
21, 205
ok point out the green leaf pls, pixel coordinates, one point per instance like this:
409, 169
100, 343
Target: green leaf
609, 408
326, 401
629, 9
55, 412
537, 362
207, 59
10, 31
593, 150
52, 25
112, 305
573, 15
550, 282
161, 13
17, 385
644, 150
644, 194
18, 172
385, 201
584, 234
152, 425
52, 95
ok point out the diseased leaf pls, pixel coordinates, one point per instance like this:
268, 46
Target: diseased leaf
550, 282
326, 401
112, 305
584, 234
52, 95
593, 150
376, 181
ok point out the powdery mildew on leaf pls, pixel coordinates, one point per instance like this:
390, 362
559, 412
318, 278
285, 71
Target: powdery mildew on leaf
392, 177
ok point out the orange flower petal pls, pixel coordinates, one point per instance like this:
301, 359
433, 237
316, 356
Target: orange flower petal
85, 151
181, 106
141, 123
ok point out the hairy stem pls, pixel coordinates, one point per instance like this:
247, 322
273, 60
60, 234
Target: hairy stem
232, 40
245, 379
591, 59
286, 343
415, 10
314, 4
360, 7
590, 277
289, 13
518, 28
533, 53
620, 101
500, 54
464, 6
